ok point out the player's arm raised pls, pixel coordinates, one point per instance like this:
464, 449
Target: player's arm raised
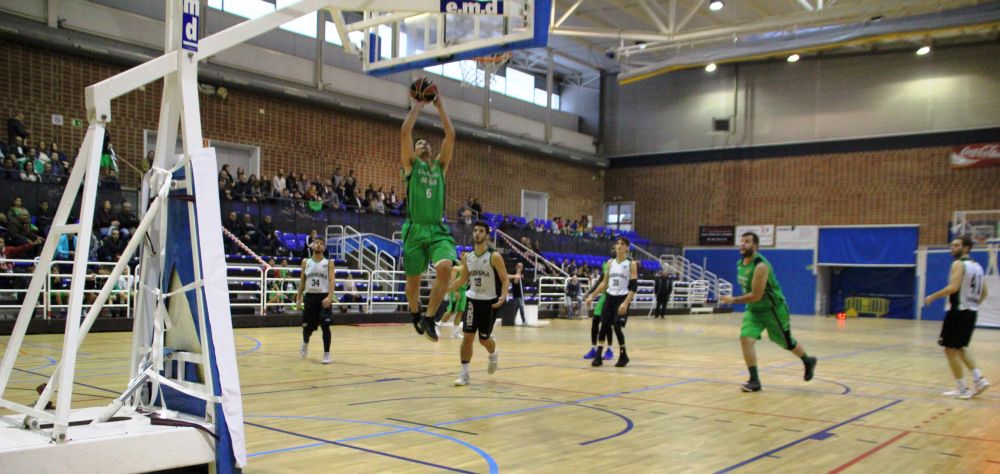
448, 145
497, 261
406, 137
954, 283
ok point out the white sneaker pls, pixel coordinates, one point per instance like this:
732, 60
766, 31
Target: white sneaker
964, 394
462, 380
494, 359
326, 357
981, 385
456, 334
304, 350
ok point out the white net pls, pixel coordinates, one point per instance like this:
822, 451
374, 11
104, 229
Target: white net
980, 225
478, 71
989, 310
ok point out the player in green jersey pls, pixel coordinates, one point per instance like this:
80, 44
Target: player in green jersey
426, 240
766, 309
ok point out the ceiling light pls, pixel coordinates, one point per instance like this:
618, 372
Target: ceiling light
716, 5
923, 50
793, 58
710, 67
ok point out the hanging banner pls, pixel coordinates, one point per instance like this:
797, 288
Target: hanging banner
796, 237
716, 235
976, 156
765, 232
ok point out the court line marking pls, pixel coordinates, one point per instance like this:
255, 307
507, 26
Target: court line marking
821, 433
254, 349
430, 426
868, 453
494, 468
371, 451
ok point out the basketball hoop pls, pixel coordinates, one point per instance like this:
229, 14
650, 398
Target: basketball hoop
476, 70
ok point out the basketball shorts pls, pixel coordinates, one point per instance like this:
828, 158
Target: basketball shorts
425, 244
609, 315
956, 332
457, 302
600, 305
775, 320
480, 317
313, 312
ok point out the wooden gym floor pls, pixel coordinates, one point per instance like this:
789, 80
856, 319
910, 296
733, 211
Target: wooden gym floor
387, 403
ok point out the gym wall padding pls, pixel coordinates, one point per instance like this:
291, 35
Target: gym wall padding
846, 246
792, 267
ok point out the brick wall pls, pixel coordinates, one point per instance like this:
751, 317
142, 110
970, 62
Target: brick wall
910, 186
291, 135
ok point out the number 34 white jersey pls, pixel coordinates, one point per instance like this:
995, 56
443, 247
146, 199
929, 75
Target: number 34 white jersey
317, 276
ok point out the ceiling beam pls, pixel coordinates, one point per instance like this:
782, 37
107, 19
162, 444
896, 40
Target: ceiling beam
690, 14
653, 16
566, 15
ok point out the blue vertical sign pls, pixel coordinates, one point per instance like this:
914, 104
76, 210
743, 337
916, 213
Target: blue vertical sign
189, 26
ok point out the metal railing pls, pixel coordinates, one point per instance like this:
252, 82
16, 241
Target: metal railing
690, 272
533, 257
54, 299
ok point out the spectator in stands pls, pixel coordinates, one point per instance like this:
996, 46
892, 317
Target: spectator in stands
110, 180
104, 219
354, 203
17, 251
573, 300
250, 235
350, 185
16, 128
478, 209
66, 248
241, 188
275, 296
351, 295
128, 219
17, 147
537, 246
254, 193
329, 195
16, 209
9, 168
337, 178
517, 292
224, 174
112, 246
392, 201
43, 216
232, 224
376, 206
240, 173
28, 172
144, 165
268, 239
291, 184
278, 183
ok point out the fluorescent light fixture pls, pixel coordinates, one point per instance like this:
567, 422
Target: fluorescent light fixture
716, 5
923, 50
794, 57
711, 67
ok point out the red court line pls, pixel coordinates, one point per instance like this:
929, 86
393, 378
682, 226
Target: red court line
869, 452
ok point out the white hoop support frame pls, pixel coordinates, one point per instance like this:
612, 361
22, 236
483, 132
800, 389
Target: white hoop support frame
488, 64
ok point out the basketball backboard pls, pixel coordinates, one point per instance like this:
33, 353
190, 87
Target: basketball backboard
462, 29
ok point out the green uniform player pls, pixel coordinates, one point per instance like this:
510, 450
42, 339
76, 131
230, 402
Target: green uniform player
426, 240
765, 309
595, 323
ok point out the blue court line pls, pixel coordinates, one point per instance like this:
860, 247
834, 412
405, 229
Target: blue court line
490, 461
257, 346
819, 436
52, 361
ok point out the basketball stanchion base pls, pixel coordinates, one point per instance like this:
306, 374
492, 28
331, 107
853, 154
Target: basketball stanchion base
130, 443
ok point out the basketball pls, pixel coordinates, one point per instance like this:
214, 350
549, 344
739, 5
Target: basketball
423, 90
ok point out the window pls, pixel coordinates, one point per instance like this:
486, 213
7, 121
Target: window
520, 85
619, 215
304, 25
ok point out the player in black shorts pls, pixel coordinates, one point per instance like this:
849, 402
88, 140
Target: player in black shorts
484, 271
620, 282
316, 296
966, 290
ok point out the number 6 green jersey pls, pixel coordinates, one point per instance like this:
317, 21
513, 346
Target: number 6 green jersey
425, 192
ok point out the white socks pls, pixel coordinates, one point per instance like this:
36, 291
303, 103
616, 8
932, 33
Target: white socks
961, 384
465, 369
976, 374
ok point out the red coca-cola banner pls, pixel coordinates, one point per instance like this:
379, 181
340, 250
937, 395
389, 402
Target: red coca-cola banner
976, 156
